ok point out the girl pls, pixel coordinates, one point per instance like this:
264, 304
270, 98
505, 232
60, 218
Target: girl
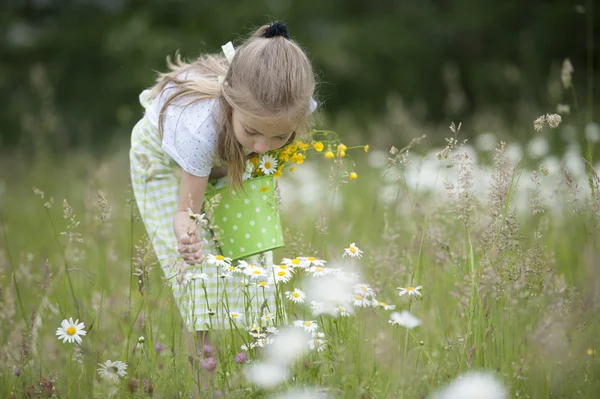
202, 121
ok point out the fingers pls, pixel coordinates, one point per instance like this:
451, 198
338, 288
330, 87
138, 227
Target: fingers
190, 249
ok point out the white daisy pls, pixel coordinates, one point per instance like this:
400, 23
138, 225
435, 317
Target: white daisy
268, 164
255, 272
272, 330
308, 325
255, 331
189, 276
404, 319
281, 275
384, 305
296, 262
230, 269
226, 276
235, 315
296, 296
363, 289
69, 331
218, 260
353, 251
111, 371
243, 265
311, 261
268, 317
410, 291
317, 271
343, 311
317, 341
361, 301
264, 284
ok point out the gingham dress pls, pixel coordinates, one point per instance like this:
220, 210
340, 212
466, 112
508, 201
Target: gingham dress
204, 303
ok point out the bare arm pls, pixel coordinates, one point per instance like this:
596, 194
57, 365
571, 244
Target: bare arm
191, 195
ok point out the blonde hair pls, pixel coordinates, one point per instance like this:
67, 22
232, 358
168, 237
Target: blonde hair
269, 79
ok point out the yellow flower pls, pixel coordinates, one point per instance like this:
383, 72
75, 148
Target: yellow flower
329, 155
367, 148
284, 156
292, 169
342, 153
279, 172
303, 146
298, 158
353, 175
318, 146
341, 147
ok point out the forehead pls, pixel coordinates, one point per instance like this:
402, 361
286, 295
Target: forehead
269, 128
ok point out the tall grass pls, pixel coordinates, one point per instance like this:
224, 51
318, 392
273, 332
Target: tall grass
509, 292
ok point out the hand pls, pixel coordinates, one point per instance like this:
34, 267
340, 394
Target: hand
190, 248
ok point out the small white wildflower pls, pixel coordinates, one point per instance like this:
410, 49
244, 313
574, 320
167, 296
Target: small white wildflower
281, 275
268, 164
404, 319
296, 262
296, 296
353, 251
111, 371
272, 330
218, 260
235, 316
268, 317
361, 301
71, 331
384, 305
410, 291
539, 123
311, 261
363, 289
553, 120
308, 325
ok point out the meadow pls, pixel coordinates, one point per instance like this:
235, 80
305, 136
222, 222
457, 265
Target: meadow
473, 259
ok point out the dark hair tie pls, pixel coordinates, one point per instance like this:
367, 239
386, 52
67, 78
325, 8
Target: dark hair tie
277, 29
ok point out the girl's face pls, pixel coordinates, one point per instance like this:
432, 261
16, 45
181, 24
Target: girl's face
256, 137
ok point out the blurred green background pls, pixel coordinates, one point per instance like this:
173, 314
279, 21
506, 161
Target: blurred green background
71, 70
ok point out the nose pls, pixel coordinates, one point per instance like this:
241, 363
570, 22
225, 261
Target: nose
261, 146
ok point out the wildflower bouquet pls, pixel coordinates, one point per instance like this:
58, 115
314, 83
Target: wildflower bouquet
246, 222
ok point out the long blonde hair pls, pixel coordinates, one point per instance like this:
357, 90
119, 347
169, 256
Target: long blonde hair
269, 79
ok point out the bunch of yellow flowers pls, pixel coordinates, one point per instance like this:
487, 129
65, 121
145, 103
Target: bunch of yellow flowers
275, 161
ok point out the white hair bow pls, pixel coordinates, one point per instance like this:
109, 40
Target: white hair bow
229, 52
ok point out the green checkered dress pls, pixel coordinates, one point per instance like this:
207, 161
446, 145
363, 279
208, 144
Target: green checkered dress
204, 303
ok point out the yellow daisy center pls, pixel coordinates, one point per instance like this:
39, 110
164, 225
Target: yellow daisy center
358, 297
281, 273
310, 258
363, 288
219, 257
262, 284
256, 271
234, 315
308, 323
410, 289
282, 266
232, 268
296, 295
267, 165
382, 303
71, 331
353, 250
319, 269
295, 261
